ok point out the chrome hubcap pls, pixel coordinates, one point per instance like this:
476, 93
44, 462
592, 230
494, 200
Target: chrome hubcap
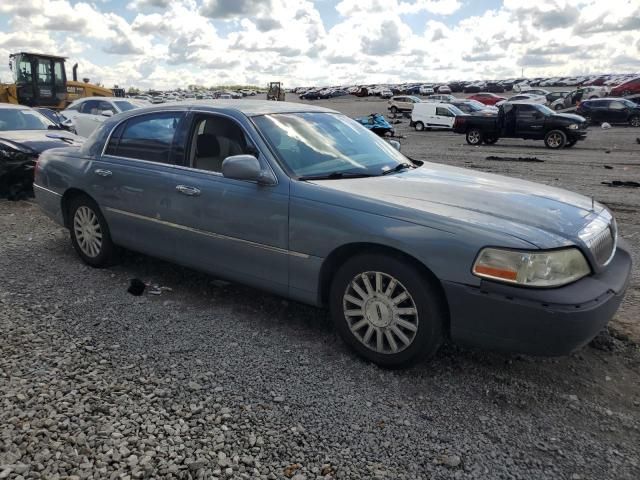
635, 122
474, 136
88, 232
554, 140
380, 312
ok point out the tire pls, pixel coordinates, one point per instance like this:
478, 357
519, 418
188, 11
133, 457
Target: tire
555, 139
490, 140
419, 126
393, 109
421, 331
626, 92
558, 107
634, 121
587, 118
474, 136
90, 235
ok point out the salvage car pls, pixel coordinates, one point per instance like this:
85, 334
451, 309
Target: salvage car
86, 114
487, 98
25, 134
402, 103
427, 116
523, 120
628, 87
610, 110
308, 204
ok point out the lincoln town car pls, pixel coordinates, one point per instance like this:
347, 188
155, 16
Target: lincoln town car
305, 203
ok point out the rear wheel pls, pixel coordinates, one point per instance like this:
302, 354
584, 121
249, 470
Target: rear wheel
394, 109
555, 139
90, 235
419, 126
386, 310
634, 121
474, 136
558, 107
626, 92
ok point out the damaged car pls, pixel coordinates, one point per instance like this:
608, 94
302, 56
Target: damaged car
24, 135
310, 205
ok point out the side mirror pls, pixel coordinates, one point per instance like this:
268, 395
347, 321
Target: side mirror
246, 167
395, 144
107, 113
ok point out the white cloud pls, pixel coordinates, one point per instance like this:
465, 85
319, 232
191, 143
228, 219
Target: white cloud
170, 43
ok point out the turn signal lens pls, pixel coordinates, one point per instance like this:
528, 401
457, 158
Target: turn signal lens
534, 269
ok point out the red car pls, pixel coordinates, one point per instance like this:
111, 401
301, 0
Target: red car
487, 98
629, 87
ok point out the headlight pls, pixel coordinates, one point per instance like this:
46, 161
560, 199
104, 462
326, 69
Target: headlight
533, 269
573, 126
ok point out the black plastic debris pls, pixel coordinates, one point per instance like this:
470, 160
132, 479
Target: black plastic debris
622, 183
515, 159
637, 139
136, 287
608, 167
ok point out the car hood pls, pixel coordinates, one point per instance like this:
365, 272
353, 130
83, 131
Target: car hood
523, 209
570, 116
37, 141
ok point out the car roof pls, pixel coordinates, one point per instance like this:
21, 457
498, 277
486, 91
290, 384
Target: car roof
249, 108
13, 106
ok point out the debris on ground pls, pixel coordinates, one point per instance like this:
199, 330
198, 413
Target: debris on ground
638, 140
515, 159
136, 287
608, 167
376, 123
605, 126
16, 176
622, 183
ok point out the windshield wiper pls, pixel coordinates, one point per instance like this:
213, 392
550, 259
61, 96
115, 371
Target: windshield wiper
335, 176
397, 168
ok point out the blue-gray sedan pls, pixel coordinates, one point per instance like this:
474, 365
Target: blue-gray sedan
306, 203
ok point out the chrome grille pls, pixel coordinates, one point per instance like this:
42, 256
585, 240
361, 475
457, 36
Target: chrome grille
600, 236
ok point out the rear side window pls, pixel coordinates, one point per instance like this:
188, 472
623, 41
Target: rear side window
148, 137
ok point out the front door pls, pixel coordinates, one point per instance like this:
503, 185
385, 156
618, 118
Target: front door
232, 228
618, 112
529, 121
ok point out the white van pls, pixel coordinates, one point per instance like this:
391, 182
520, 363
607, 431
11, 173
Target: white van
433, 115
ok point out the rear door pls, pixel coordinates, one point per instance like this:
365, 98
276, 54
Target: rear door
133, 182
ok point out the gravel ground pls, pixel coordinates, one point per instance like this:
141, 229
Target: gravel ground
211, 380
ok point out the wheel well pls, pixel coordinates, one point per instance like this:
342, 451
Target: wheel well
68, 196
341, 254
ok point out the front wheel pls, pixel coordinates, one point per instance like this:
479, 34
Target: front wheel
419, 126
387, 310
555, 139
634, 121
90, 235
474, 137
394, 109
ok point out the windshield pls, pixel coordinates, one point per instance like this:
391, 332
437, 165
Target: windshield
317, 144
455, 110
543, 109
19, 119
125, 106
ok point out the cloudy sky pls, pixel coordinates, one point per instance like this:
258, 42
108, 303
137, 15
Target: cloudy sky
172, 43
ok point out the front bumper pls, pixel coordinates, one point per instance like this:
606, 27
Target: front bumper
546, 322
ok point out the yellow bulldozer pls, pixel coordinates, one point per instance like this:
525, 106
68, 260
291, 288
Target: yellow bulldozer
41, 81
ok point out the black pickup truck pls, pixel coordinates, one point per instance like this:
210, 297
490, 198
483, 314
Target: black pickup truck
523, 120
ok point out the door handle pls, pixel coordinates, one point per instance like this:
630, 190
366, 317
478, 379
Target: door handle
103, 173
187, 190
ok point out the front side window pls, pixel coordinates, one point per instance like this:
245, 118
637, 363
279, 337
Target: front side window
148, 137
105, 107
24, 73
327, 144
214, 139
58, 75
19, 119
443, 112
616, 105
89, 107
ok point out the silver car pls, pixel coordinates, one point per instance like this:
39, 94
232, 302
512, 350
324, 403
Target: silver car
308, 204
